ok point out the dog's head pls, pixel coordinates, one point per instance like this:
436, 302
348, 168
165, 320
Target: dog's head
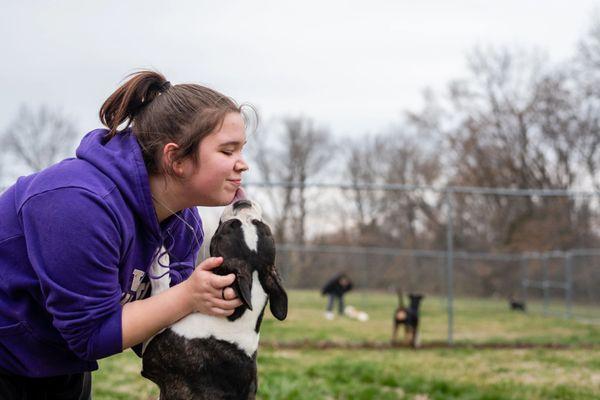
242, 208
415, 300
246, 244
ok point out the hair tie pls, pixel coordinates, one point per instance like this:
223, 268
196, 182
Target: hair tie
164, 87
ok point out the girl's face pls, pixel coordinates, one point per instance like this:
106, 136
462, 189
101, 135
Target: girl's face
218, 175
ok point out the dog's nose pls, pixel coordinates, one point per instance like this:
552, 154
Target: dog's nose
238, 205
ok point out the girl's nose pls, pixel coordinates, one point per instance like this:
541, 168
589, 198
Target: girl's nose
241, 165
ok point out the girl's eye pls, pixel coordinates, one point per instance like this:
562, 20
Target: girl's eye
227, 152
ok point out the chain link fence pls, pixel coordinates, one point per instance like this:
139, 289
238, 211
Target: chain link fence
550, 282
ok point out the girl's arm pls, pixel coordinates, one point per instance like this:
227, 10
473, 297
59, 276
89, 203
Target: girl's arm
201, 292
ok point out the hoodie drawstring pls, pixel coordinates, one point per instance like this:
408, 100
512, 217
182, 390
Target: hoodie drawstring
177, 269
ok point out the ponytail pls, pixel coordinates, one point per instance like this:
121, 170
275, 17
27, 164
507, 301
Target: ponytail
125, 103
183, 114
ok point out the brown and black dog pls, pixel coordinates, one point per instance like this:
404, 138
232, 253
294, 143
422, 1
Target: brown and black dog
409, 317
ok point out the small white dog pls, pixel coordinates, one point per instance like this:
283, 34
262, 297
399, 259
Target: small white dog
353, 313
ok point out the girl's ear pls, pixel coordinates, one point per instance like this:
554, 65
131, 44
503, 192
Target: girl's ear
168, 156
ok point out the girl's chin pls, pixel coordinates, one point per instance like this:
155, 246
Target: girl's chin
217, 202
226, 198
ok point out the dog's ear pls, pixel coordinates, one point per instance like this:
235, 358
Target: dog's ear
244, 286
278, 301
243, 279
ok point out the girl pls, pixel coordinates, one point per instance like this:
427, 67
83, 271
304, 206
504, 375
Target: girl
77, 239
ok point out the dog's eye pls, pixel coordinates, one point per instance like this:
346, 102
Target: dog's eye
233, 224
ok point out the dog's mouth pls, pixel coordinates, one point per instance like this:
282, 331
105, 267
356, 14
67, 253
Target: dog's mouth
241, 206
240, 194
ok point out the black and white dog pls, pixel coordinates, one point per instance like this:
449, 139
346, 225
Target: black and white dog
205, 357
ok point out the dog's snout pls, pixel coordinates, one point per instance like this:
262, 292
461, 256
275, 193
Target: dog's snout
240, 204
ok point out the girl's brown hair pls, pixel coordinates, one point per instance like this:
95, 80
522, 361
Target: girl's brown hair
159, 113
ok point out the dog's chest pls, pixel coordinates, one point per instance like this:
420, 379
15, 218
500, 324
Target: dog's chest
240, 332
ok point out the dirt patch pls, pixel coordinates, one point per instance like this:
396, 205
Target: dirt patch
372, 345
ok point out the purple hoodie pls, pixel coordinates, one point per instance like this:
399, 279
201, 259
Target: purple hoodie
76, 242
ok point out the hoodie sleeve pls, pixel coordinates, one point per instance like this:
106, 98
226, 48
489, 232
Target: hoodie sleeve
73, 242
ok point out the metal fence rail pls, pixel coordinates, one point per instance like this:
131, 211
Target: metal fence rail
530, 274
542, 266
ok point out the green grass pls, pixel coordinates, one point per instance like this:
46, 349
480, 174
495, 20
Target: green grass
476, 321
439, 373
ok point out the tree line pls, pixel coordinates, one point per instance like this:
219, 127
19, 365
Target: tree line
515, 120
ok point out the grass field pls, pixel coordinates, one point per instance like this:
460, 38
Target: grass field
555, 359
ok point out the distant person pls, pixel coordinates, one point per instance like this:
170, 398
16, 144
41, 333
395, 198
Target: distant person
336, 288
78, 239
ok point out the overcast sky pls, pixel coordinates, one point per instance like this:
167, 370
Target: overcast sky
353, 66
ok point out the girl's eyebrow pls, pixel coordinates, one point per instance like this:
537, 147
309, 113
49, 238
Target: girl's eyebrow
233, 143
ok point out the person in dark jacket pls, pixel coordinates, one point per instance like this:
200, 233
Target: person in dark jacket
77, 239
335, 289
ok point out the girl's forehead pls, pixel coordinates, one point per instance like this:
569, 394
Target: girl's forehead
231, 131
229, 138
233, 120
220, 140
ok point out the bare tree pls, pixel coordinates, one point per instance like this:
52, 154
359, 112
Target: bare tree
412, 215
585, 89
38, 139
588, 53
519, 122
363, 166
295, 154
407, 154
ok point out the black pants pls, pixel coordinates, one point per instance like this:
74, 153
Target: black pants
63, 387
340, 299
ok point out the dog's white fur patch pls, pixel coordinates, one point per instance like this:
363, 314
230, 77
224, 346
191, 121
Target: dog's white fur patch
250, 233
245, 215
239, 332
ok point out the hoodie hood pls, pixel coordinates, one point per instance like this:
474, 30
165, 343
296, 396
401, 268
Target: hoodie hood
115, 158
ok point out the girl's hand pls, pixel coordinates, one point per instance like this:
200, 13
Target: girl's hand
207, 290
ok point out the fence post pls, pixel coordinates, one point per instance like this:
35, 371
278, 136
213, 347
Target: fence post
569, 282
545, 287
524, 279
450, 266
365, 279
